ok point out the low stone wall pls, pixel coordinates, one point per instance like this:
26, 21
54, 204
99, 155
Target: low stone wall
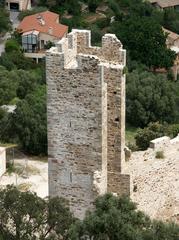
163, 142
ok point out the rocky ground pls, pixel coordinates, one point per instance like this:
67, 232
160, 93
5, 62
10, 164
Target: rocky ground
156, 182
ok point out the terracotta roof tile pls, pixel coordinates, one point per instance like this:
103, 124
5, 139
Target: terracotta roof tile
166, 3
44, 22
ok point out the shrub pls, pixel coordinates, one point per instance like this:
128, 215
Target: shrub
159, 154
49, 44
173, 130
102, 23
93, 4
150, 98
144, 136
74, 22
11, 45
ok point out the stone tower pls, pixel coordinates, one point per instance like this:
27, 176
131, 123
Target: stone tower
86, 119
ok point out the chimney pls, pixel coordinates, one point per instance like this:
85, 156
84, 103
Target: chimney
40, 20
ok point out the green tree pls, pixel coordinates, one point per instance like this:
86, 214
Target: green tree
25, 216
29, 124
4, 21
12, 45
16, 83
152, 131
73, 7
2, 3
150, 98
117, 218
26, 85
145, 40
93, 4
16, 60
8, 85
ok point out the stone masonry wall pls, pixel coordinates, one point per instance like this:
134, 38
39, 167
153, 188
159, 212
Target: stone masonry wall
86, 88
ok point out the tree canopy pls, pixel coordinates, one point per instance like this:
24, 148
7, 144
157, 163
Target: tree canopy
150, 98
145, 40
4, 19
117, 218
25, 216
27, 125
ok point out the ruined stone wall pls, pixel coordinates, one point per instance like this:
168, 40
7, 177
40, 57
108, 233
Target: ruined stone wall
159, 144
86, 112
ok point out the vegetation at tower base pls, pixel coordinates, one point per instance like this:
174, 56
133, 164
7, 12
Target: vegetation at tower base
117, 218
25, 216
153, 131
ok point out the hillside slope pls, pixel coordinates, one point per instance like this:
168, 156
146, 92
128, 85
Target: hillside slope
156, 182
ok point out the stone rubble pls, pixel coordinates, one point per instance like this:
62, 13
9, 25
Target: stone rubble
156, 182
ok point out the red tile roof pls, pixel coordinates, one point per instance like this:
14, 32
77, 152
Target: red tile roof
44, 22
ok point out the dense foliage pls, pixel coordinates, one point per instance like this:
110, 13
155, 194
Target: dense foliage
12, 45
28, 124
22, 83
25, 216
171, 20
117, 218
4, 19
150, 98
145, 40
152, 131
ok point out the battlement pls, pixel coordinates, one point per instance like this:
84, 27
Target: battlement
77, 45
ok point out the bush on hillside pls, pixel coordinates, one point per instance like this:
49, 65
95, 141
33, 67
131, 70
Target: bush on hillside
11, 45
152, 131
150, 98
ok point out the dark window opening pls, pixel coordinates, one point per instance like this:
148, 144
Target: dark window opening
14, 6
71, 176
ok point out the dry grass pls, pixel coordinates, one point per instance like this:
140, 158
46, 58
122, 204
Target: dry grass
24, 187
92, 18
159, 154
39, 158
31, 170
